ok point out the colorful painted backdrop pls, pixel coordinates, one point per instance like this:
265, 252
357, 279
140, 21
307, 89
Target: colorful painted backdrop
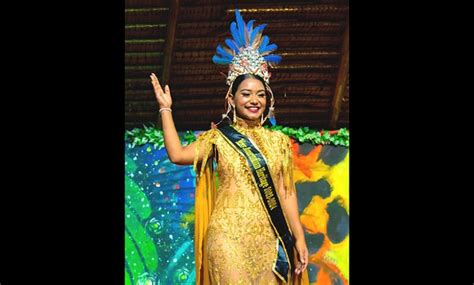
159, 214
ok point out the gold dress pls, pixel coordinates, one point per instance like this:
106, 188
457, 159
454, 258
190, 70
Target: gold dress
239, 243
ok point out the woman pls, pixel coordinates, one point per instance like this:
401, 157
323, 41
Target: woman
247, 231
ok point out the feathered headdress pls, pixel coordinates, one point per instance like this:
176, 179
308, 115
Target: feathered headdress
248, 52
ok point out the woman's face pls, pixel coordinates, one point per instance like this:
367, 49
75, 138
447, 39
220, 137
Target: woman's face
249, 99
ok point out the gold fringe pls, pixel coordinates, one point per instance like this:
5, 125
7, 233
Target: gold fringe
205, 196
204, 145
287, 166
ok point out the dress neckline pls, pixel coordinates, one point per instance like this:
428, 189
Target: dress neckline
246, 124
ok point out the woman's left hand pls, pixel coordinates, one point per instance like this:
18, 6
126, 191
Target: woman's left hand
302, 250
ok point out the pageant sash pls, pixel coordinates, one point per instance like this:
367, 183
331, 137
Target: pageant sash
269, 197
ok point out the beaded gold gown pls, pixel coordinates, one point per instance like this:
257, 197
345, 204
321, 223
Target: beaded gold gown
237, 240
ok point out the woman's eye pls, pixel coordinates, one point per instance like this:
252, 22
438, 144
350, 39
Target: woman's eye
261, 95
245, 94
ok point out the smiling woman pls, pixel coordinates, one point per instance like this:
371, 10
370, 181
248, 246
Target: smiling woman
247, 231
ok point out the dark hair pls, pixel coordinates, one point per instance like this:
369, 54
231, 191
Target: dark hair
238, 80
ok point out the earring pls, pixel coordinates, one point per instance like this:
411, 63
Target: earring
235, 115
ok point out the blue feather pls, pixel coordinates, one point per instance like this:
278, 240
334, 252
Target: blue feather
263, 45
222, 52
271, 47
272, 121
272, 58
256, 31
231, 44
240, 31
235, 34
250, 26
219, 60
240, 26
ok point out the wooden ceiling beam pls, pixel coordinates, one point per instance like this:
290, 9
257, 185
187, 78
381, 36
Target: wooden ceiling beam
170, 40
341, 79
169, 46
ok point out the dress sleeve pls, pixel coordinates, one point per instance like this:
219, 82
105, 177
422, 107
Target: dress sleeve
204, 145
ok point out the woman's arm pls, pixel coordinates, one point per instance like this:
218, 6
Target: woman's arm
289, 203
176, 152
